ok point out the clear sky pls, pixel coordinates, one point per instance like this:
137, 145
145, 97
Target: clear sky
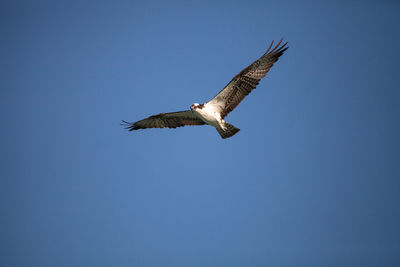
312, 178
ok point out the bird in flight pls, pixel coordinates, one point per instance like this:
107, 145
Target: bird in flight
214, 111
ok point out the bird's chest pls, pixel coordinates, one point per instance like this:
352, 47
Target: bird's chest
209, 114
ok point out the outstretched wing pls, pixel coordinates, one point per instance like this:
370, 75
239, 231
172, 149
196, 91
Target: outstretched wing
247, 80
162, 120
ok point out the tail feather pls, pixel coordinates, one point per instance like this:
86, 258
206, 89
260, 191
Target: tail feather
229, 131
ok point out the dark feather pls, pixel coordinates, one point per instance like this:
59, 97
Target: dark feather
163, 120
247, 80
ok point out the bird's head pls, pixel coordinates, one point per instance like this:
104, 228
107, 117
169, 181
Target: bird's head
194, 106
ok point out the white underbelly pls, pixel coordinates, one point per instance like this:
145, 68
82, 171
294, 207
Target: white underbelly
210, 116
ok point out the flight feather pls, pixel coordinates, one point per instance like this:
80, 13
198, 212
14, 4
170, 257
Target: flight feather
162, 120
247, 80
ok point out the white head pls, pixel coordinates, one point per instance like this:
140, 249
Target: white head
195, 106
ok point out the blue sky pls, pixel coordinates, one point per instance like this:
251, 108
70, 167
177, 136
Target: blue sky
312, 178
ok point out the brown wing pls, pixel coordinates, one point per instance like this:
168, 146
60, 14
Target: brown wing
247, 80
162, 120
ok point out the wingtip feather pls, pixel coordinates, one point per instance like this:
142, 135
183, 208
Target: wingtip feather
128, 125
278, 49
266, 52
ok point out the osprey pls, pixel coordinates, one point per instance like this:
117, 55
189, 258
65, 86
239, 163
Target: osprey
214, 111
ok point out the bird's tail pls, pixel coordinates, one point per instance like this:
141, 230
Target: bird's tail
228, 131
